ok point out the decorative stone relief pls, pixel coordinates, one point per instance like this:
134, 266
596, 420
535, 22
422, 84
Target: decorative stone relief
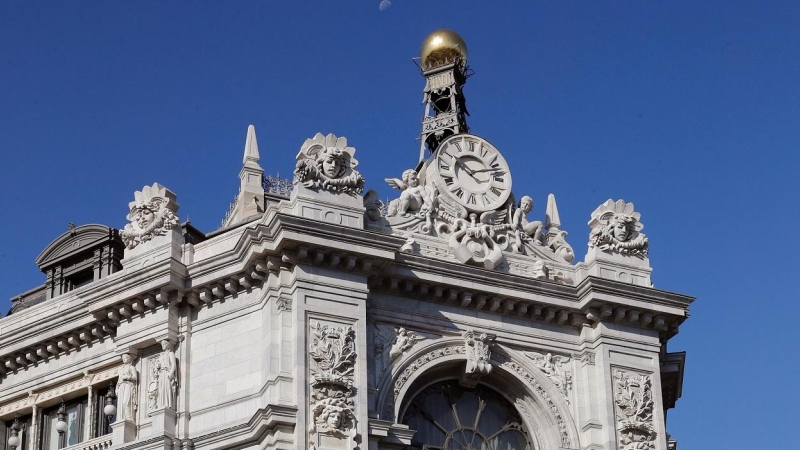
127, 390
333, 358
327, 163
557, 370
284, 303
616, 228
633, 400
390, 343
478, 350
163, 385
152, 213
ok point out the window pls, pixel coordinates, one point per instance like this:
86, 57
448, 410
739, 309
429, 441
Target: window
450, 417
77, 430
24, 424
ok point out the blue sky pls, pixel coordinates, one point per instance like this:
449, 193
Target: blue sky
690, 109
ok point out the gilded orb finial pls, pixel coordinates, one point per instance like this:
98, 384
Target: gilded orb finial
443, 47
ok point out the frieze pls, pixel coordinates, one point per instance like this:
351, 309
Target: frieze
58, 391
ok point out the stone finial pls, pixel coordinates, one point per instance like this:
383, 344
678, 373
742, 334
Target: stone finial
250, 199
616, 228
327, 163
552, 220
251, 147
152, 213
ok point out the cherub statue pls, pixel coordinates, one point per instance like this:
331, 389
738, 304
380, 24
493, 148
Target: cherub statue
522, 228
413, 199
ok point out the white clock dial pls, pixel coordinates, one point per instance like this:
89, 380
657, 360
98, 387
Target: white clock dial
473, 172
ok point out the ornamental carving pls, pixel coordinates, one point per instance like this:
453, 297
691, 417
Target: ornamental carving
152, 213
616, 228
475, 235
389, 344
556, 368
333, 356
327, 163
510, 365
477, 347
633, 404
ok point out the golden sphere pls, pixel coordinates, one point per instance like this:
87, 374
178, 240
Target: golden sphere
442, 47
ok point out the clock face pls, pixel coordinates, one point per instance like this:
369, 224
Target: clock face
473, 172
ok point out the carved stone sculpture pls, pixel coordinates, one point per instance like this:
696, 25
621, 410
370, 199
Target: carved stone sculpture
616, 228
478, 351
403, 341
415, 198
521, 228
557, 370
127, 390
163, 387
151, 214
332, 366
326, 162
633, 400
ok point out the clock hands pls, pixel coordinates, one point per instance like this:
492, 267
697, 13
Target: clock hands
485, 170
465, 168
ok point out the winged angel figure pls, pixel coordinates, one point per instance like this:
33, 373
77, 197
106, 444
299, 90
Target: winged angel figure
556, 368
415, 198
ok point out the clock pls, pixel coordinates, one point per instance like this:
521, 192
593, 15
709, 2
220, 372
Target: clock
472, 172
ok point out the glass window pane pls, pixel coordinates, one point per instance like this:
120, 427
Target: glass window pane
467, 407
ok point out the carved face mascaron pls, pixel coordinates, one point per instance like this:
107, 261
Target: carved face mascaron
473, 172
333, 165
144, 216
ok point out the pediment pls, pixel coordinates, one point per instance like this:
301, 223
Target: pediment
73, 242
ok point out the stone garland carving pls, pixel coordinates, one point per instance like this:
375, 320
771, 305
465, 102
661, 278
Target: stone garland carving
163, 386
127, 390
556, 368
633, 400
616, 228
478, 350
333, 357
326, 162
476, 237
151, 214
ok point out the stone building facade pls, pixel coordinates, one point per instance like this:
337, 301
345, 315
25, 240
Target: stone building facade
319, 317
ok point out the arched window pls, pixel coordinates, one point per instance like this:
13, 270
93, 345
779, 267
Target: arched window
450, 417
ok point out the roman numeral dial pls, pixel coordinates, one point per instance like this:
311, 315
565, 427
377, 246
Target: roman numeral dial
472, 172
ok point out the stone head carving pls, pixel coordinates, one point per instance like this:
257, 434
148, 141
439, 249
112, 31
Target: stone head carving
326, 162
151, 214
526, 204
616, 228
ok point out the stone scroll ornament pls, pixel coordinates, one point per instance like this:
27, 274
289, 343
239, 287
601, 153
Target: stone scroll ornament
152, 213
327, 163
633, 404
556, 368
333, 356
616, 228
